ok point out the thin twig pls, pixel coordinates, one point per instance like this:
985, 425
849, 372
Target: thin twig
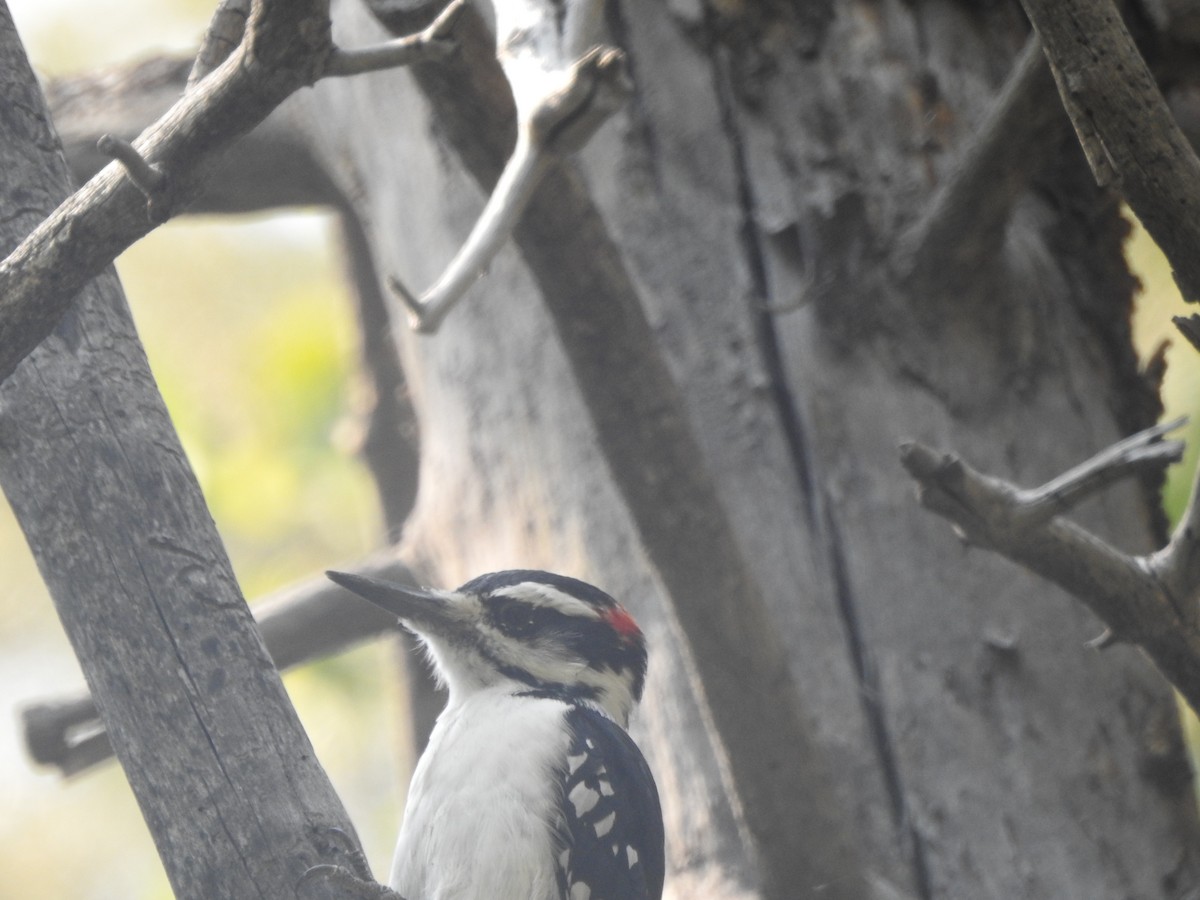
558, 112
148, 179
489, 234
435, 42
1145, 449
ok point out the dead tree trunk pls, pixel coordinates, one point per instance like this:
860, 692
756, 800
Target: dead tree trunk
767, 190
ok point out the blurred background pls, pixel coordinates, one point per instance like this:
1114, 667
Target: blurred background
250, 332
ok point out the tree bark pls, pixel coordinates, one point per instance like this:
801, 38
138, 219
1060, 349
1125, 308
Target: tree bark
89, 461
974, 745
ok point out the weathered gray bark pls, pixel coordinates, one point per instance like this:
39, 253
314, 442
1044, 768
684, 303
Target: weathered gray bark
979, 750
222, 770
1125, 126
298, 623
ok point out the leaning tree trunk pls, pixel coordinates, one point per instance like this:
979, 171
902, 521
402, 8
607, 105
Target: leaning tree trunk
766, 193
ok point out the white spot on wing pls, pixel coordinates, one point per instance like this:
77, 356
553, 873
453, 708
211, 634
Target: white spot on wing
604, 826
583, 798
631, 855
580, 891
606, 788
574, 762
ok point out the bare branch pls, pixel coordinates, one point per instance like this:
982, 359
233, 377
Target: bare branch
491, 231
299, 623
66, 733
284, 50
146, 177
960, 229
1109, 92
1146, 449
435, 42
286, 46
1142, 599
271, 167
564, 91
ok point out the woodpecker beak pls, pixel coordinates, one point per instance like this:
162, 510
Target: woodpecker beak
422, 610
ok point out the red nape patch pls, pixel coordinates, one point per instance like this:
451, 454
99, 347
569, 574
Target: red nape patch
622, 622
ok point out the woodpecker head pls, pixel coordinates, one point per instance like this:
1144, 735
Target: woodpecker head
534, 629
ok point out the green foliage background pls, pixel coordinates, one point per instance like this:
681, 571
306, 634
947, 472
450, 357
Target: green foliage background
251, 337
1159, 301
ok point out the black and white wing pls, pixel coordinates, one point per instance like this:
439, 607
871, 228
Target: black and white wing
613, 828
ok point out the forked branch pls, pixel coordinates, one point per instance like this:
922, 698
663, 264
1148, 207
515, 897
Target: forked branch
565, 87
284, 45
1147, 600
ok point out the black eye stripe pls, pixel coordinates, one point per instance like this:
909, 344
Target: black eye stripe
519, 619
591, 639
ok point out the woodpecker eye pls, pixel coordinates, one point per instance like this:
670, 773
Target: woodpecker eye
515, 619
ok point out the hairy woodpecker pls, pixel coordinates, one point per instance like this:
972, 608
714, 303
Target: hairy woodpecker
530, 788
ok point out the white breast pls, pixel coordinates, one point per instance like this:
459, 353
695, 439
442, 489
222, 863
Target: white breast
483, 801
